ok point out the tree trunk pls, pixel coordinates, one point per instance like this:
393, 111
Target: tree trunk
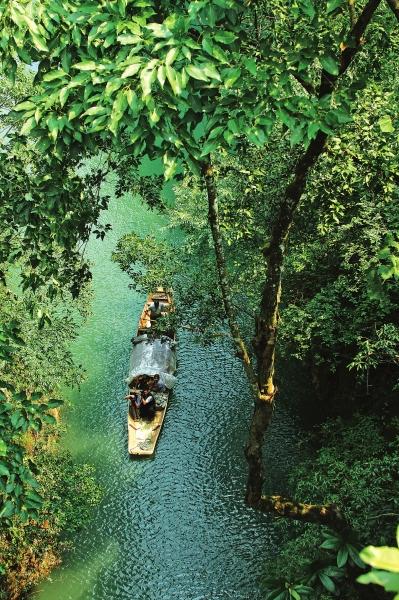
324, 514
267, 320
213, 215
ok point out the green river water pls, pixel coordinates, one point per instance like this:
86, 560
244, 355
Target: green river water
174, 527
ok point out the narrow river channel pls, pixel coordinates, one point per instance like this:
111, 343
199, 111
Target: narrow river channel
174, 527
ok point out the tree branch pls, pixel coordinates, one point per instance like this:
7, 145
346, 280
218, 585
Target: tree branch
328, 81
308, 87
213, 216
323, 514
352, 12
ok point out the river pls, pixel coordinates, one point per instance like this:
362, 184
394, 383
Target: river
174, 527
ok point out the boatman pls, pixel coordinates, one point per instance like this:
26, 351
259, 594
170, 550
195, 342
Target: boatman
155, 309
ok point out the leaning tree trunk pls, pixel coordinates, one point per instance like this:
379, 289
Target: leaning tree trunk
327, 514
267, 320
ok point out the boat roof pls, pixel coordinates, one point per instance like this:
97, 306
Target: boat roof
151, 356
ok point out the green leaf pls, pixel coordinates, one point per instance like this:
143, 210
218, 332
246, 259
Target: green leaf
230, 76
308, 8
66, 60
4, 470
389, 581
342, 116
211, 71
8, 510
50, 419
76, 110
147, 77
54, 403
170, 166
161, 75
286, 118
296, 137
208, 147
385, 124
95, 110
342, 556
3, 448
225, 37
28, 126
197, 72
64, 93
330, 544
173, 80
39, 42
386, 272
354, 555
159, 30
171, 56
34, 497
329, 64
327, 582
87, 65
112, 86
27, 105
333, 5
52, 75
127, 39
250, 64
382, 557
131, 70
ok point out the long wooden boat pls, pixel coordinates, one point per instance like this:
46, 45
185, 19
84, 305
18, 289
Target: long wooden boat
153, 353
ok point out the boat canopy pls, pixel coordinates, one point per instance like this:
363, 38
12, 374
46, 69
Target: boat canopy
153, 356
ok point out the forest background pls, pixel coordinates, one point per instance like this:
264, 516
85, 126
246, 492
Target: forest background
278, 124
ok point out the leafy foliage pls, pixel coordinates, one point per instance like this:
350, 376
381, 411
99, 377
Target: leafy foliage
385, 563
337, 470
29, 551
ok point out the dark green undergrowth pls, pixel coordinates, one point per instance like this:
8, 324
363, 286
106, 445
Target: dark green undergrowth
29, 551
355, 464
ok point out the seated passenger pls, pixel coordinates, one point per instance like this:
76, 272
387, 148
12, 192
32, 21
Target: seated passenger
147, 408
157, 384
134, 404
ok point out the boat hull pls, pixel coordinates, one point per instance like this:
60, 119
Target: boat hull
143, 435
153, 355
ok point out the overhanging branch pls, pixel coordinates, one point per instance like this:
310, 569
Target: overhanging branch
322, 514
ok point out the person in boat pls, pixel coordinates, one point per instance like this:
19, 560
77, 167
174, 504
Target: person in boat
147, 408
157, 385
155, 309
134, 404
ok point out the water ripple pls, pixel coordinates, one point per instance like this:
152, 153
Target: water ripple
174, 527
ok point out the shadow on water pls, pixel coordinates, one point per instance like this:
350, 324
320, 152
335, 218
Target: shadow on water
174, 527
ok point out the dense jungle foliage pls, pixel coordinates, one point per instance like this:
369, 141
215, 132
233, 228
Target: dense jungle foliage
45, 496
278, 123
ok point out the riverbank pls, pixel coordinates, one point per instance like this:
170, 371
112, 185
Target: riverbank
30, 551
